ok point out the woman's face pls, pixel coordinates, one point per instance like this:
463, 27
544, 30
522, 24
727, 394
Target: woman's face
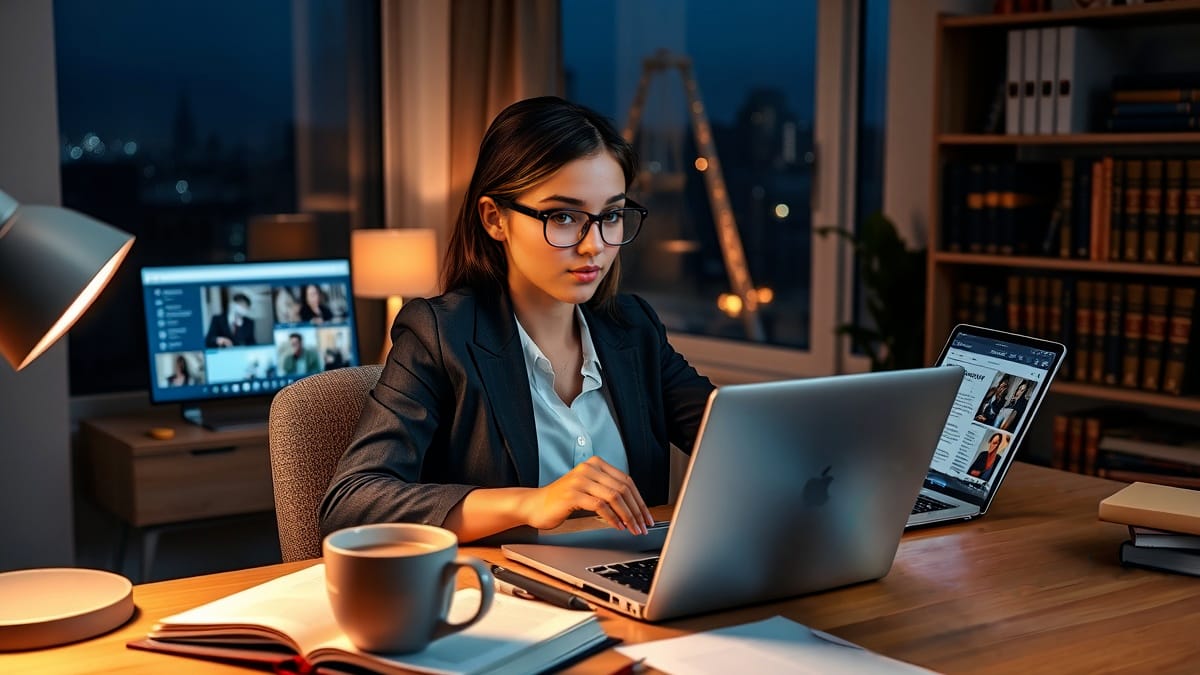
540, 274
994, 443
312, 295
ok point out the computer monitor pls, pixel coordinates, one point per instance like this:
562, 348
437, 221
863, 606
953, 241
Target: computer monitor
243, 331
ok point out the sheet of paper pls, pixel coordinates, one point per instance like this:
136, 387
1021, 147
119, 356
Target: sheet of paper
775, 645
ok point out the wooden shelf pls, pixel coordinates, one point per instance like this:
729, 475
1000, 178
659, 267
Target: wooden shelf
1155, 12
1131, 396
1065, 265
1145, 138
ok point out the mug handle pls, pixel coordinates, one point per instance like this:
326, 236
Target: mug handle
487, 590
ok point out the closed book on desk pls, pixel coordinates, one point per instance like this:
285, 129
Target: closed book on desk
1165, 559
1146, 537
1158, 506
290, 619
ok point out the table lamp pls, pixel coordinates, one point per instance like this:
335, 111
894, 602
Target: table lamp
53, 264
391, 263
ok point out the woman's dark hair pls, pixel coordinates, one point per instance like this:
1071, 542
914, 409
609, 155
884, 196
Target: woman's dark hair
527, 143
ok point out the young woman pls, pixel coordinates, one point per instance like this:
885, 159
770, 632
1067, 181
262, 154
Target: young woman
530, 389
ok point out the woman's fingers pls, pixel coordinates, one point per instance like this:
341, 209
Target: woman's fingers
619, 491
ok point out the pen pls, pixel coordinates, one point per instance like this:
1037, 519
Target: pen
508, 581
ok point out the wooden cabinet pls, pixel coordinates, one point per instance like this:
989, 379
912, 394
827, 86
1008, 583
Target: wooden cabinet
197, 474
971, 62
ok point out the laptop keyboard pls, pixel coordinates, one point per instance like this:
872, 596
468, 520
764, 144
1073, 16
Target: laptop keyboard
926, 504
636, 574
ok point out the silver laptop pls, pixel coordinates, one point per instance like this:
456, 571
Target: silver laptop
1006, 378
794, 487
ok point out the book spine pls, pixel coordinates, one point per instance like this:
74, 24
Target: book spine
1010, 203
973, 239
1082, 205
1116, 213
952, 208
1083, 330
1067, 336
991, 208
1054, 313
1191, 214
1075, 447
1059, 441
1114, 334
962, 302
1179, 332
1155, 108
1172, 208
1132, 222
979, 305
1091, 443
1152, 211
1099, 331
1066, 201
1156, 333
1135, 307
1013, 303
1164, 123
1155, 95
1029, 304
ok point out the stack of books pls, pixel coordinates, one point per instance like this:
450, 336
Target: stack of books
1164, 526
1154, 102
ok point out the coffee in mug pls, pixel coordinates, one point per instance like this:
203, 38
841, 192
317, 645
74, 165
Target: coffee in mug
390, 584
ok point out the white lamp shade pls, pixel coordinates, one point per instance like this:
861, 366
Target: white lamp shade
394, 262
53, 264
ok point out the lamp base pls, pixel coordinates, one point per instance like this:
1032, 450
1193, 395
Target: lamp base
394, 303
53, 606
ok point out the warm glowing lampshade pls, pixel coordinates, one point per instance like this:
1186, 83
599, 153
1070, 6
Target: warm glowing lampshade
391, 263
53, 264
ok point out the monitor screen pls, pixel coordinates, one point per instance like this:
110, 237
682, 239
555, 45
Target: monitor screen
245, 329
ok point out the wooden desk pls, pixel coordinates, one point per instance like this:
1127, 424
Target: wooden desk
1034, 586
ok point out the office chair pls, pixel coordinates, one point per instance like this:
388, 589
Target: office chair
310, 425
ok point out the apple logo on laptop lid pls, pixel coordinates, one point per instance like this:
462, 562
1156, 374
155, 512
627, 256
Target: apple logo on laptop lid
816, 490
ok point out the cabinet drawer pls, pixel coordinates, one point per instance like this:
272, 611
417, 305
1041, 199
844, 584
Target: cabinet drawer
201, 483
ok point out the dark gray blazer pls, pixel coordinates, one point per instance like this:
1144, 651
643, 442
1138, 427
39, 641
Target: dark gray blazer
453, 412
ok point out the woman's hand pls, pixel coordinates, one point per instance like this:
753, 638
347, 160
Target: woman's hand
594, 485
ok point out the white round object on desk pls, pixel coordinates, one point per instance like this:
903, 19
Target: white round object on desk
57, 605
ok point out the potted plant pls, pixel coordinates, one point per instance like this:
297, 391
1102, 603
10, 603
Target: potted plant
893, 281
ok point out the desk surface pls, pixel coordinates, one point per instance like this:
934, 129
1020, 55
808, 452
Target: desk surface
1033, 586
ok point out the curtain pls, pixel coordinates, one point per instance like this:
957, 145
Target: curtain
501, 51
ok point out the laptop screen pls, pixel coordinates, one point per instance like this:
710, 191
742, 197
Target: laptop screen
1006, 377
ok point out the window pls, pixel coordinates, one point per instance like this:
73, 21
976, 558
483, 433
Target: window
728, 256
220, 131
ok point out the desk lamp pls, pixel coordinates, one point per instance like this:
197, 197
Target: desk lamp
53, 264
391, 263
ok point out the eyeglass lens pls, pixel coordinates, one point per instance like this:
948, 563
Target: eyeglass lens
566, 227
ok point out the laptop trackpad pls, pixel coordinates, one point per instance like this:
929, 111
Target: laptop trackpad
609, 538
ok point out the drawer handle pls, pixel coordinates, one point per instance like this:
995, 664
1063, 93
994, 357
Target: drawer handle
213, 451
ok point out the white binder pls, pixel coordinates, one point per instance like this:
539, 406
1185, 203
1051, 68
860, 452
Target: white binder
1012, 87
1085, 69
1048, 69
1030, 73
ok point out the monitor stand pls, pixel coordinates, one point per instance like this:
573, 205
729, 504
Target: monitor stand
242, 414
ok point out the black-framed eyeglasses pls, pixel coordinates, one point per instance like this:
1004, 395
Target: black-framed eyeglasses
565, 228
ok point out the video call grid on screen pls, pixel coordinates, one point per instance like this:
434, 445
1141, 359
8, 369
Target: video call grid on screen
988, 408
245, 329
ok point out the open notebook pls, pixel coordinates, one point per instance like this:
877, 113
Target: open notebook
289, 619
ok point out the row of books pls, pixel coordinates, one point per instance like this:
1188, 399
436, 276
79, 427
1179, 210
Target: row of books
1164, 526
1123, 444
1120, 209
1162, 102
1118, 333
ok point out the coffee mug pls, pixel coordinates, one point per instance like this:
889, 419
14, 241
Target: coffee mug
390, 584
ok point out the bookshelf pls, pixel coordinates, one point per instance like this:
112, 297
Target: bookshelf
971, 60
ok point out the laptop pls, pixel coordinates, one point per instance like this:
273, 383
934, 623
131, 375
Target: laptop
794, 487
1006, 377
